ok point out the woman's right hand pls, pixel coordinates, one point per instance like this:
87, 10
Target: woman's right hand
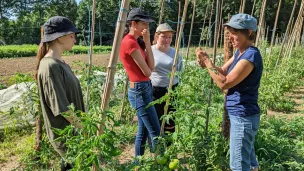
146, 35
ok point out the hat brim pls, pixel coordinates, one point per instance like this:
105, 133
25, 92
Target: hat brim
168, 30
146, 19
54, 36
235, 26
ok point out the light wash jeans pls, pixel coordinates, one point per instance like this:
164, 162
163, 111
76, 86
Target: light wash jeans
242, 133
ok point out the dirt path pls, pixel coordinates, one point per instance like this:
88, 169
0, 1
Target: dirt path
298, 96
12, 164
11, 66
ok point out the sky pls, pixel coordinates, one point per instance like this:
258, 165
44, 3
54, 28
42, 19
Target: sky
78, 1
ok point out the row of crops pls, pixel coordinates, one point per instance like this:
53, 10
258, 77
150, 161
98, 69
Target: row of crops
13, 51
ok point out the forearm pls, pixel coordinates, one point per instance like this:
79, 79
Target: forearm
150, 57
217, 75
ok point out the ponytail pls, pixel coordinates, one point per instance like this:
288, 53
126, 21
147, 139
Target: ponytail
42, 50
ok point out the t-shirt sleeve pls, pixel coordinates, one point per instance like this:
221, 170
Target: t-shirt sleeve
130, 46
253, 57
54, 91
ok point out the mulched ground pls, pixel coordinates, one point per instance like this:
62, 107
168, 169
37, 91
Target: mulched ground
11, 66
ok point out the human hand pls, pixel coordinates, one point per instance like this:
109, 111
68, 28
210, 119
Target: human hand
201, 57
146, 35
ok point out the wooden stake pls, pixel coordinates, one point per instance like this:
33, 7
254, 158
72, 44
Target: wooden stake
174, 63
91, 51
218, 2
161, 12
253, 7
191, 27
228, 53
210, 22
203, 27
242, 6
296, 29
178, 21
261, 21
275, 24
286, 33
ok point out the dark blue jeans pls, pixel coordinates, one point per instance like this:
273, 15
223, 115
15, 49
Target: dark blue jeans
148, 125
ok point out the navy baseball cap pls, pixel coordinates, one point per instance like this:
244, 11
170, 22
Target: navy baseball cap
56, 27
137, 14
243, 21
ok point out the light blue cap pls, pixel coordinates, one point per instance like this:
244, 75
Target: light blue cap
243, 21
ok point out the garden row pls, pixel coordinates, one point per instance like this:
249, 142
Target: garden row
12, 51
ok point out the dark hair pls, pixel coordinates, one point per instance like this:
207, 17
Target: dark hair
140, 41
245, 32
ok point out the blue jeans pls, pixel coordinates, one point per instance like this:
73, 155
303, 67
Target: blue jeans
148, 125
242, 133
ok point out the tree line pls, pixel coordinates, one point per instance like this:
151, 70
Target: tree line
20, 20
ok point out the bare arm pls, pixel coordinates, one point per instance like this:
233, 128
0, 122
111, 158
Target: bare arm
223, 70
242, 69
150, 57
141, 63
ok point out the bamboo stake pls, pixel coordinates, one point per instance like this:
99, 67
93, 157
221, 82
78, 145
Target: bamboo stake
275, 24
203, 27
174, 63
261, 21
112, 64
222, 34
253, 7
91, 51
277, 40
242, 6
210, 22
220, 21
214, 58
178, 23
286, 32
113, 60
295, 30
191, 28
161, 12
267, 31
228, 53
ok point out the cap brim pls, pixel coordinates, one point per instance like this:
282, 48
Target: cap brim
141, 18
235, 26
166, 31
54, 36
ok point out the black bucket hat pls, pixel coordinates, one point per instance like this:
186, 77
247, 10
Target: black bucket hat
137, 14
56, 27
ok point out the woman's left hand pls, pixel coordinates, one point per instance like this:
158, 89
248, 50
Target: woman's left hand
202, 57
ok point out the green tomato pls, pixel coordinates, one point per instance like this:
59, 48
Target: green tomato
173, 164
166, 169
161, 160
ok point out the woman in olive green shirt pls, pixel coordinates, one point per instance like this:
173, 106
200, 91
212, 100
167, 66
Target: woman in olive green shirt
58, 86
